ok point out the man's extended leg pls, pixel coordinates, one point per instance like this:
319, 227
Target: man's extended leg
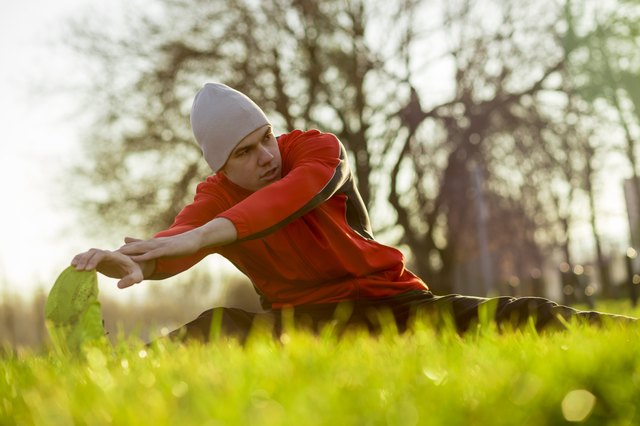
228, 322
510, 311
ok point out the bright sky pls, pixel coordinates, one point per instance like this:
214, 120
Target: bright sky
38, 139
33, 143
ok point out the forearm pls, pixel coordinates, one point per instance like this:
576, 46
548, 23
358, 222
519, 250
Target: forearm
217, 232
192, 245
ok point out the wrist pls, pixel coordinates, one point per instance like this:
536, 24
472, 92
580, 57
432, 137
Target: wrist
148, 268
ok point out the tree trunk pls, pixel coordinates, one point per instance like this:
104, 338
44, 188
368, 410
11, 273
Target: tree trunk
603, 267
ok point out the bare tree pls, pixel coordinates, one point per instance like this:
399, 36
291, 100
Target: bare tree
307, 63
455, 170
602, 46
492, 119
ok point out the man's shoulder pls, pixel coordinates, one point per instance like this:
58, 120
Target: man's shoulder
302, 137
218, 192
211, 185
212, 190
298, 134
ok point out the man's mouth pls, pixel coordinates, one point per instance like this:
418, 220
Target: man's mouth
270, 174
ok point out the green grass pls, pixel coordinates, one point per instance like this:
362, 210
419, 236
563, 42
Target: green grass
483, 378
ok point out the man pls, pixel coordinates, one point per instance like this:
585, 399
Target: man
287, 213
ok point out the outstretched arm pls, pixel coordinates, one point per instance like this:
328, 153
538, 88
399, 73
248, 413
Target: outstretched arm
317, 169
217, 232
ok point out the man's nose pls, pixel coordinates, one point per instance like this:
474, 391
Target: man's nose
265, 156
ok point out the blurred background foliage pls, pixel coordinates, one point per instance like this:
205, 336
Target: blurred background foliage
478, 130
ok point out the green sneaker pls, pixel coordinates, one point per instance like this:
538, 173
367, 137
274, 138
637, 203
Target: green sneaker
72, 310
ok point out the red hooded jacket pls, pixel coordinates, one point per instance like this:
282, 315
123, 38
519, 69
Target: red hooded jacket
304, 239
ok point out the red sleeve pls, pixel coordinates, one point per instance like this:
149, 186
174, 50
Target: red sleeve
315, 167
204, 208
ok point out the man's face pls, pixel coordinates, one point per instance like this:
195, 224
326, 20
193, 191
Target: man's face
255, 162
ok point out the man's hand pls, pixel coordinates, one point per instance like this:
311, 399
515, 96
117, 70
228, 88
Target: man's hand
147, 250
217, 232
111, 264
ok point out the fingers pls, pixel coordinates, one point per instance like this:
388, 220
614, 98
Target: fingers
131, 240
124, 283
129, 280
111, 264
88, 260
137, 247
140, 251
150, 254
134, 276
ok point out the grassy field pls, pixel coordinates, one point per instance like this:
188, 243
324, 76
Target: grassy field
588, 375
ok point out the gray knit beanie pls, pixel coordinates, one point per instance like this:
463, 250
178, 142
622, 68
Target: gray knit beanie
220, 118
